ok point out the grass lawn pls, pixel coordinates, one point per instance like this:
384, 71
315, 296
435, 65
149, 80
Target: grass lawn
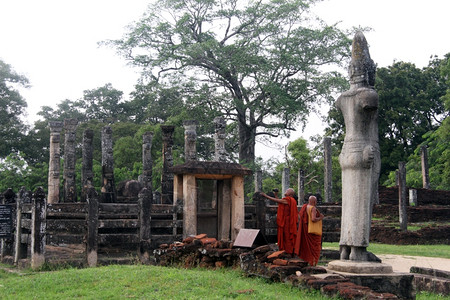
144, 282
150, 282
413, 250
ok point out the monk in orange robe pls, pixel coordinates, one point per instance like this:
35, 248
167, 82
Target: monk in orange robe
286, 220
308, 245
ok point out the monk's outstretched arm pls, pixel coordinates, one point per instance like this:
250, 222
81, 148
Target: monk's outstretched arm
282, 201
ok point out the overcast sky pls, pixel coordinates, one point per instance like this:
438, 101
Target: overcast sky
54, 42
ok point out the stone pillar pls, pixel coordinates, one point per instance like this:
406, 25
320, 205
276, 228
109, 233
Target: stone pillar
301, 187
220, 154
54, 163
189, 205
402, 213
147, 164
425, 174
327, 170
284, 181
167, 176
224, 209
87, 173
258, 181
70, 192
260, 204
38, 228
190, 140
412, 197
178, 189
20, 250
108, 183
92, 227
237, 205
145, 207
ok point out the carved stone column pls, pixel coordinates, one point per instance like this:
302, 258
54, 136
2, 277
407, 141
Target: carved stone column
328, 169
147, 164
219, 139
70, 192
167, 177
402, 211
285, 182
108, 183
54, 163
87, 174
425, 174
301, 187
190, 140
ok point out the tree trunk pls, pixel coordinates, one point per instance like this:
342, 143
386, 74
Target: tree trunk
246, 144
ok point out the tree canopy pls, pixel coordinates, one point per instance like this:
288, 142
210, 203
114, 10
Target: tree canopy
12, 109
262, 64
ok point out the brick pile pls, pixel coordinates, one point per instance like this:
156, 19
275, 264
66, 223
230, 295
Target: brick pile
198, 251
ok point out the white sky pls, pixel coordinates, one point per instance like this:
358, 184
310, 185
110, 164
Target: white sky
54, 42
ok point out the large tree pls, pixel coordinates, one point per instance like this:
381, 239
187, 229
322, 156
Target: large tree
264, 64
12, 109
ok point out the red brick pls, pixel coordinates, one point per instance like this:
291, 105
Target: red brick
280, 262
276, 254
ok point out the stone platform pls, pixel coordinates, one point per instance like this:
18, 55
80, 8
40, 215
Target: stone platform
377, 276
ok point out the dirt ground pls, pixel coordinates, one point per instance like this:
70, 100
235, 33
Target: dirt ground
402, 263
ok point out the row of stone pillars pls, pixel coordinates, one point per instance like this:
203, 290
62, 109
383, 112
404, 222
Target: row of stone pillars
328, 176
190, 140
108, 187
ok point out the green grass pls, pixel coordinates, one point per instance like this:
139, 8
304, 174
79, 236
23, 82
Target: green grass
144, 282
442, 251
430, 296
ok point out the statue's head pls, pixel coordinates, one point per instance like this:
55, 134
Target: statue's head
362, 68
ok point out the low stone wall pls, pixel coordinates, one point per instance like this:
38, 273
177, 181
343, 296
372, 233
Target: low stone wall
431, 280
389, 195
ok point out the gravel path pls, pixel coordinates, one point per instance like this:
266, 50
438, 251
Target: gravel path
402, 263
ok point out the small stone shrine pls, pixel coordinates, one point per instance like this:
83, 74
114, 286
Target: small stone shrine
212, 192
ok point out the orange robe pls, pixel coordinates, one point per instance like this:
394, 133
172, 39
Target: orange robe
287, 225
307, 245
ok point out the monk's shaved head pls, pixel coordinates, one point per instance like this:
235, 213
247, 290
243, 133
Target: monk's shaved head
290, 192
312, 200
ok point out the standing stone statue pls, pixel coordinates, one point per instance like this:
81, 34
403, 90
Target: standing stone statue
360, 156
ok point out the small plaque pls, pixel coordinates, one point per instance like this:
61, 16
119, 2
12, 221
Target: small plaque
5, 221
249, 238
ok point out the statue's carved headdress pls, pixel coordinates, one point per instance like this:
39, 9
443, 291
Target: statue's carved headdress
362, 68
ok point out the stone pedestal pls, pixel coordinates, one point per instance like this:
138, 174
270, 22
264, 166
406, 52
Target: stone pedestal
359, 267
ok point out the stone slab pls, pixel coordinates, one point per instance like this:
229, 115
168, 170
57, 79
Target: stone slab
348, 266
